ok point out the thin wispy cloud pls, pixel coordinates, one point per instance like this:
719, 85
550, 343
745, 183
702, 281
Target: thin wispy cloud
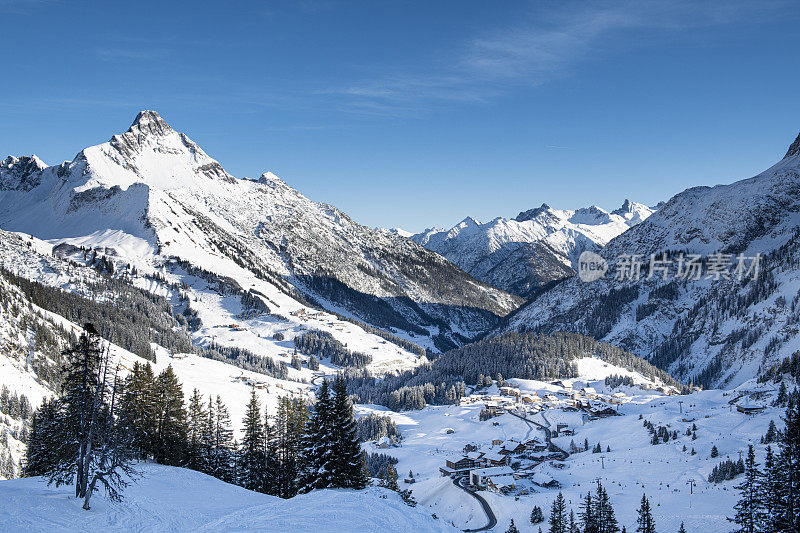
548, 44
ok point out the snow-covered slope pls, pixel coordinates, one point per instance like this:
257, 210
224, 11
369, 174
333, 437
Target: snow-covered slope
175, 499
541, 245
718, 332
151, 193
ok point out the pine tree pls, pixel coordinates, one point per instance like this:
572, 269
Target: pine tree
769, 494
137, 409
772, 433
271, 475
196, 420
604, 512
77, 411
573, 524
290, 426
558, 515
536, 515
748, 509
391, 478
252, 455
788, 464
221, 461
316, 468
588, 515
348, 464
512, 528
85, 442
40, 457
169, 446
644, 521
682, 529
714, 451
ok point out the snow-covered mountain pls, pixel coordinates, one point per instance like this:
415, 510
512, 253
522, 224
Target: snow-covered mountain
152, 194
716, 331
539, 246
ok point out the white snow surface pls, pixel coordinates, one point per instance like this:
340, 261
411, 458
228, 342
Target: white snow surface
175, 499
487, 251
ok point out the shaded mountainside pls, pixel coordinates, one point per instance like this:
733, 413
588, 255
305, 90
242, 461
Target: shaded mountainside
538, 247
151, 194
718, 332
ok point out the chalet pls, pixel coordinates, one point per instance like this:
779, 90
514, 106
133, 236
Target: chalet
589, 392
509, 391
531, 398
603, 413
457, 465
535, 445
501, 484
543, 480
511, 447
480, 476
494, 458
562, 430
497, 442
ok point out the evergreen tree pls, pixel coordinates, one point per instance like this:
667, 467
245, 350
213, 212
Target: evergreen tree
221, 462
137, 409
770, 494
348, 463
196, 420
290, 426
682, 529
644, 522
536, 515
512, 528
788, 464
714, 451
588, 515
391, 478
272, 466
558, 515
252, 459
77, 413
604, 512
573, 524
40, 456
318, 454
169, 443
748, 509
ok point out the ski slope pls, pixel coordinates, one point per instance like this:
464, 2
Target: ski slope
167, 499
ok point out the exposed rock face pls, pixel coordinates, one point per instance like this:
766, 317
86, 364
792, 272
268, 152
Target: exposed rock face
536, 248
715, 331
167, 196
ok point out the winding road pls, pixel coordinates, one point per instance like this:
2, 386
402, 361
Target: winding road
484, 504
486, 508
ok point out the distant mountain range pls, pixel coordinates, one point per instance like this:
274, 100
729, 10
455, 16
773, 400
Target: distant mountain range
151, 195
718, 332
537, 247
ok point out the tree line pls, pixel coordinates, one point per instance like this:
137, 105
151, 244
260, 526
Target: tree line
323, 344
526, 355
94, 433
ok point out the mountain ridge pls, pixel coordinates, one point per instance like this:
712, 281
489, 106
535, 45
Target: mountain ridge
537, 247
157, 192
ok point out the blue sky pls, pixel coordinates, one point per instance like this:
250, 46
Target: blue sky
416, 114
